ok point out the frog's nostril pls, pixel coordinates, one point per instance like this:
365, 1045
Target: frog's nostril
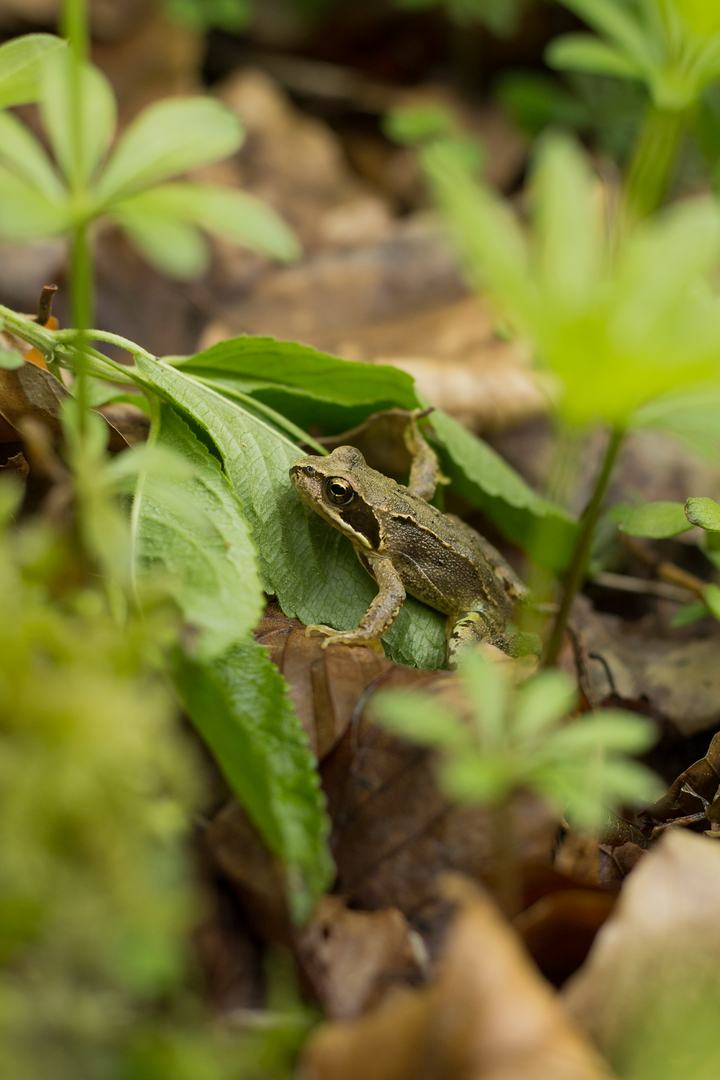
309, 470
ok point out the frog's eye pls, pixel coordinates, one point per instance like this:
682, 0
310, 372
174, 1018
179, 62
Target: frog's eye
339, 491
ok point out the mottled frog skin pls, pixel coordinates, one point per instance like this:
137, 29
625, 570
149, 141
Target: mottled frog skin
409, 546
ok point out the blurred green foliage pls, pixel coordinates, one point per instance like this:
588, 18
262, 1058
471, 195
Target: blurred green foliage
616, 320
87, 181
515, 739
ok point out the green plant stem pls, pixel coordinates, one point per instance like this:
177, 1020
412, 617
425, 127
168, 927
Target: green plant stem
506, 869
651, 166
267, 410
578, 564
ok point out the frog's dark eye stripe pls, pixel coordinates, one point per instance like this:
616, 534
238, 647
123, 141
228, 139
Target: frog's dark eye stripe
339, 491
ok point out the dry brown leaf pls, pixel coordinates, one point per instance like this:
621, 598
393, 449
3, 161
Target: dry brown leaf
354, 958
30, 392
676, 679
649, 993
488, 1016
693, 791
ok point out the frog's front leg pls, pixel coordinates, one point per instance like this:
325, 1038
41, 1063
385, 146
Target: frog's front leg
468, 629
382, 612
425, 472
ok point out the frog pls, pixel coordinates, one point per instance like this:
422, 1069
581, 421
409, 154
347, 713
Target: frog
409, 546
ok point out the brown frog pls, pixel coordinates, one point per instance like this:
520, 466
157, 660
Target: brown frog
409, 546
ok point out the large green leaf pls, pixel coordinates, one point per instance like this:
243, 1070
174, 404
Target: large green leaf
320, 376
78, 152
21, 65
22, 154
309, 565
192, 533
167, 138
542, 529
240, 707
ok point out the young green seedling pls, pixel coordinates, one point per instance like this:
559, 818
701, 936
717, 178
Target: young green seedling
673, 47
519, 739
661, 520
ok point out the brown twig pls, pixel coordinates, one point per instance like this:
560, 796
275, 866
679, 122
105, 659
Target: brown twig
45, 303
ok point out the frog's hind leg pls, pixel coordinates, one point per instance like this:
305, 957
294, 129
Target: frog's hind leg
425, 474
472, 628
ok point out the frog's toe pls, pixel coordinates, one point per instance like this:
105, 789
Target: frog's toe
321, 629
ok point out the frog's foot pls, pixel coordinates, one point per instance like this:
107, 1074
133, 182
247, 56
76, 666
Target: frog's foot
475, 628
344, 637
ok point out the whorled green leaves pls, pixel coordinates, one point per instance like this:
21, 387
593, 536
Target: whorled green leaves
615, 328
240, 707
164, 220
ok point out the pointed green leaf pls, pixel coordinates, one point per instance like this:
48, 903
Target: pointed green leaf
192, 533
96, 119
21, 65
25, 213
482, 477
171, 245
231, 214
703, 512
692, 417
656, 520
711, 596
22, 154
543, 701
617, 22
688, 614
569, 222
318, 375
167, 138
487, 689
585, 52
486, 232
239, 705
417, 716
309, 565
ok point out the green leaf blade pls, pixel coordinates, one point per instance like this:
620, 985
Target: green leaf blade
192, 533
480, 475
584, 52
21, 64
231, 214
240, 707
25, 213
168, 138
656, 520
97, 116
309, 565
170, 245
703, 512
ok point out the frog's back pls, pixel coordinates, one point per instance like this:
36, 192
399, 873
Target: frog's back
448, 566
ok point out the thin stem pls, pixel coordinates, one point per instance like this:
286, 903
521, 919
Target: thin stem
506, 869
581, 554
651, 166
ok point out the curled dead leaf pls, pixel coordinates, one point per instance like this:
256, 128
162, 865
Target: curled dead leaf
487, 1016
